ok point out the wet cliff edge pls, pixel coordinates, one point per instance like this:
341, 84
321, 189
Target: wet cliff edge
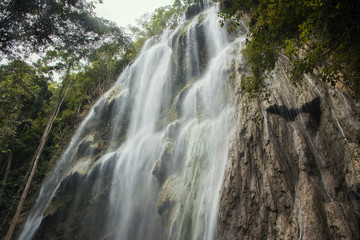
294, 163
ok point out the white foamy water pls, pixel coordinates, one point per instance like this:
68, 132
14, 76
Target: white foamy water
164, 130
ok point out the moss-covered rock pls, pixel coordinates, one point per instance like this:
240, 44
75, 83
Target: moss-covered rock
169, 194
164, 164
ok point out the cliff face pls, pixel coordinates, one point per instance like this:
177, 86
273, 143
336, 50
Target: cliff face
293, 168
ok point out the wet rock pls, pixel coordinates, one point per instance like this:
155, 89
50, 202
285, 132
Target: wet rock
172, 129
80, 217
169, 195
193, 10
89, 146
164, 164
312, 108
293, 171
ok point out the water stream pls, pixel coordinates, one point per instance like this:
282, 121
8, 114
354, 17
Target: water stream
148, 161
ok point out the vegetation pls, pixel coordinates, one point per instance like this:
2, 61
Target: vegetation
318, 36
28, 26
150, 25
28, 97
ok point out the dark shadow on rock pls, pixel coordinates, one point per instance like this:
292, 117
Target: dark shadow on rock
312, 108
284, 112
193, 10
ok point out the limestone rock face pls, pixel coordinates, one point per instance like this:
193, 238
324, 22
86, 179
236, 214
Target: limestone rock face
293, 165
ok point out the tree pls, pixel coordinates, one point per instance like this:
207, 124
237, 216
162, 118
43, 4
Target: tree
73, 31
32, 174
34, 25
23, 91
6, 175
150, 25
69, 60
325, 32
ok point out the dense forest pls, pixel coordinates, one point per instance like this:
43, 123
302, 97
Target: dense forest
79, 56
320, 37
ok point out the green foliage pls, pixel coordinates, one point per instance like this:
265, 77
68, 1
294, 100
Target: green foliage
318, 36
24, 95
23, 91
37, 24
27, 96
150, 25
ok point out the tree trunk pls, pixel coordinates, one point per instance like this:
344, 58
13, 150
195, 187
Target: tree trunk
3, 184
32, 174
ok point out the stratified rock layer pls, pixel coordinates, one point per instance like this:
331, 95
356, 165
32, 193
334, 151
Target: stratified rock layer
293, 169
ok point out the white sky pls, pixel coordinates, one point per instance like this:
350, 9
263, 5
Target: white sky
124, 12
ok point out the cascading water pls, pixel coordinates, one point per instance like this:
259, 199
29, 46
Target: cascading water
148, 161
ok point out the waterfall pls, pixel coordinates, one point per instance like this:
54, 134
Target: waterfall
148, 160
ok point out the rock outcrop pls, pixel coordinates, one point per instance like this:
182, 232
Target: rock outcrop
293, 168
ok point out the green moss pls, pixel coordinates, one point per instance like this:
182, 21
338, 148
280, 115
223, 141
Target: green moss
54, 207
115, 92
173, 114
169, 195
82, 166
169, 191
169, 146
185, 29
201, 18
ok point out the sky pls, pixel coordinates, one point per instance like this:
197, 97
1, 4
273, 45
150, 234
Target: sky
125, 12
